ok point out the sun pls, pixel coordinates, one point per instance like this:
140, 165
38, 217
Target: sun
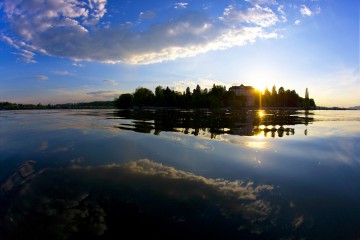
260, 86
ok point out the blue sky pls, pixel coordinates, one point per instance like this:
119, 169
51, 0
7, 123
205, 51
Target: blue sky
57, 51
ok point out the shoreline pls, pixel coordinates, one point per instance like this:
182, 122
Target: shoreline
179, 108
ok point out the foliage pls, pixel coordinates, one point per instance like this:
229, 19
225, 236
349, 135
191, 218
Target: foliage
124, 101
216, 97
143, 97
286, 98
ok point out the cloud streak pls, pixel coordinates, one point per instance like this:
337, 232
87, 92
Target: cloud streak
112, 82
41, 77
61, 73
104, 95
72, 29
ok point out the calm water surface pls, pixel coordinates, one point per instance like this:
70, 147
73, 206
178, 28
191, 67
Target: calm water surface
99, 174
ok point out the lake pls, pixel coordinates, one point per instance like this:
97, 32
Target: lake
221, 174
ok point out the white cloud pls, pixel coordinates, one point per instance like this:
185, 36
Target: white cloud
41, 77
10, 42
77, 64
112, 82
104, 95
180, 5
62, 29
261, 16
61, 73
26, 55
280, 9
25, 51
305, 11
297, 22
97, 11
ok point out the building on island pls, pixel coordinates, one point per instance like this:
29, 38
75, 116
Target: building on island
246, 91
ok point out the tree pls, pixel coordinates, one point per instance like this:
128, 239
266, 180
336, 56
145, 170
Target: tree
273, 91
306, 101
312, 102
159, 95
266, 99
187, 98
281, 97
124, 101
197, 99
274, 96
216, 96
292, 98
188, 92
143, 97
169, 97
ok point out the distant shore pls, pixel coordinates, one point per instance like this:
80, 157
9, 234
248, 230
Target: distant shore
110, 105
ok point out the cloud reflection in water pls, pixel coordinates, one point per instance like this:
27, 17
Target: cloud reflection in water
77, 201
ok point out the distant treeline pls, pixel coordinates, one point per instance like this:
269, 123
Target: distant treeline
216, 97
89, 105
286, 98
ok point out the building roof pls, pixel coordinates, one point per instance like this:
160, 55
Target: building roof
241, 87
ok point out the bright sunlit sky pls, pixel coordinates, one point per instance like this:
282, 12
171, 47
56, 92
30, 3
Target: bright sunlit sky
60, 51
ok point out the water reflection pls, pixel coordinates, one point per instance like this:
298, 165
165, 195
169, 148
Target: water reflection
109, 200
272, 123
88, 183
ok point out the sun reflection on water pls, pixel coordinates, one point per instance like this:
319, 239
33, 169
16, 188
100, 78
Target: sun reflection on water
261, 113
256, 144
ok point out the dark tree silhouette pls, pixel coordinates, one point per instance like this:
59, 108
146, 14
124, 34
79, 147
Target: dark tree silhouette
124, 101
216, 97
143, 97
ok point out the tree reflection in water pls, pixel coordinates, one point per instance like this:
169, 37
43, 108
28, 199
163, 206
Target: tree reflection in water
272, 123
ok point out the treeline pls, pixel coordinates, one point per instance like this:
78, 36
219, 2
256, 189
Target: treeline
89, 105
286, 98
216, 97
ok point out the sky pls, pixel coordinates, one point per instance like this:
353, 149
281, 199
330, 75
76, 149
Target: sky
65, 51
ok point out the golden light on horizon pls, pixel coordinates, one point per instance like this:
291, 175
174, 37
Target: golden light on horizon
261, 113
259, 86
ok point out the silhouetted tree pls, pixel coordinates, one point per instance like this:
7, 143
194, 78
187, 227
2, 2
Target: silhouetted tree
274, 96
216, 97
266, 99
197, 100
306, 100
187, 98
143, 97
281, 97
159, 96
124, 101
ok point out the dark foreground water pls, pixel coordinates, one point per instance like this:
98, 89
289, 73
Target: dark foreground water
106, 174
